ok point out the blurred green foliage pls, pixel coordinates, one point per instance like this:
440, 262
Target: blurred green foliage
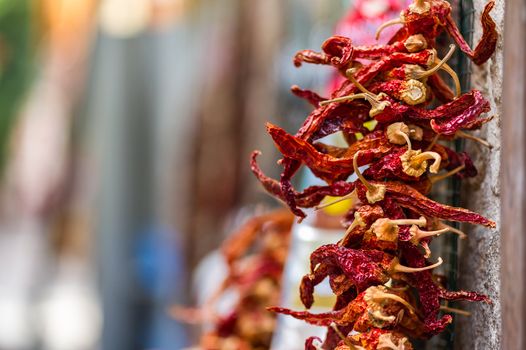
17, 49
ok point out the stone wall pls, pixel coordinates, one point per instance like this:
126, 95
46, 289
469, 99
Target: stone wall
480, 253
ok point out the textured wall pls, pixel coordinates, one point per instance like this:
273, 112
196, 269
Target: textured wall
480, 253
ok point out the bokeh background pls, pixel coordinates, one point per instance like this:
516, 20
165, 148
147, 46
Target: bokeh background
125, 133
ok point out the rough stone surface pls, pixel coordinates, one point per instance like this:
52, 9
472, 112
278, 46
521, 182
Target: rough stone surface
480, 253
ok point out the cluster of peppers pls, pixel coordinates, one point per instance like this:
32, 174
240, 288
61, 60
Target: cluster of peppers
380, 271
255, 256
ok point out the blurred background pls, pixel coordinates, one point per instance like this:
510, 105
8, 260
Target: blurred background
125, 132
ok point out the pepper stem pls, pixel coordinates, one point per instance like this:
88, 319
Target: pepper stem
387, 24
407, 139
460, 234
455, 310
353, 195
374, 193
366, 94
438, 65
428, 155
465, 135
433, 142
446, 68
376, 103
378, 315
342, 337
401, 268
419, 234
344, 98
420, 221
378, 295
358, 221
441, 177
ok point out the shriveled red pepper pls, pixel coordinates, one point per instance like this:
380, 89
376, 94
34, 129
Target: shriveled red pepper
362, 269
407, 197
430, 18
376, 307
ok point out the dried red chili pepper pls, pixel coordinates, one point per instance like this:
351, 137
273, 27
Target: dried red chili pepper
407, 197
431, 18
488, 42
362, 268
376, 307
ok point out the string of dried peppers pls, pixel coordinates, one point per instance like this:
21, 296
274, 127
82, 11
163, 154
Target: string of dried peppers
255, 255
386, 291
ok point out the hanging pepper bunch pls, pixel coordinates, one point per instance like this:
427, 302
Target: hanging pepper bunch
394, 110
255, 257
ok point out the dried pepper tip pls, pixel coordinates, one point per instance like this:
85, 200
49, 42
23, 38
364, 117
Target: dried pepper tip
397, 133
441, 177
414, 43
465, 135
413, 93
381, 293
414, 163
353, 196
455, 310
375, 192
420, 7
397, 267
387, 24
342, 337
385, 341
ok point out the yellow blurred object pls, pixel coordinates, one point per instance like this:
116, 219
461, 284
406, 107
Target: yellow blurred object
124, 18
337, 209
